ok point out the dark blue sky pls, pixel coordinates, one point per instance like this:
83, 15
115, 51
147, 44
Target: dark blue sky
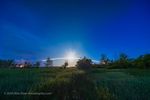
35, 29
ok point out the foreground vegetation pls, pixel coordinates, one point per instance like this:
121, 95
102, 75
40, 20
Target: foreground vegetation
76, 84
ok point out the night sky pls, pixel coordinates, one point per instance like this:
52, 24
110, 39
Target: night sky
36, 29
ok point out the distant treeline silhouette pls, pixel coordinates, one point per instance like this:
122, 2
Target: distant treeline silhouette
123, 61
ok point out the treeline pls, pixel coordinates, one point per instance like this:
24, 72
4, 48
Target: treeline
123, 61
11, 64
7, 63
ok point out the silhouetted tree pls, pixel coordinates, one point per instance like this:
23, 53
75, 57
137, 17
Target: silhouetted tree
146, 60
37, 64
49, 62
142, 61
27, 65
84, 63
104, 60
7, 63
10, 63
65, 64
123, 57
122, 62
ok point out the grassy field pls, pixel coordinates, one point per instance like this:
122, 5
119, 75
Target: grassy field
71, 83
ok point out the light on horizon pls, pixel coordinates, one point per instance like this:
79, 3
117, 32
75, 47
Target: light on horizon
71, 57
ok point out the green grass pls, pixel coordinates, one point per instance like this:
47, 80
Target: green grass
124, 84
71, 83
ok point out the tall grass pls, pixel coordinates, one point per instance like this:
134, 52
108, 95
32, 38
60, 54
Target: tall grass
133, 84
69, 85
74, 84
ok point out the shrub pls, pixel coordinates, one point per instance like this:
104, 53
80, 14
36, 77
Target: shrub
122, 62
142, 61
84, 63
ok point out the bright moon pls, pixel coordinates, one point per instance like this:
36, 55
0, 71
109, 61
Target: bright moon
71, 56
